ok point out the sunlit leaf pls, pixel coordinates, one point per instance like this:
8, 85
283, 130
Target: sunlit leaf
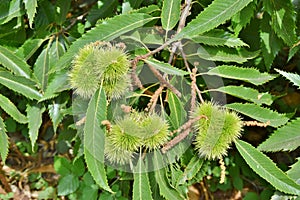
294, 78
225, 54
215, 14
12, 110
4, 143
34, 115
30, 6
141, 185
14, 63
259, 113
285, 138
29, 48
9, 10
267, 169
247, 93
250, 75
170, 14
177, 111
218, 37
19, 84
94, 135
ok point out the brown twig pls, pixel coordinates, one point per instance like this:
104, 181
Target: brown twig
186, 128
193, 76
175, 140
152, 103
163, 81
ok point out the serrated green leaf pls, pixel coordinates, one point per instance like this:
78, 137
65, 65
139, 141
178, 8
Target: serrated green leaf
191, 170
94, 139
215, 14
148, 10
259, 113
219, 37
165, 67
106, 31
170, 14
225, 54
294, 78
10, 9
295, 49
14, 63
101, 11
56, 113
46, 61
29, 48
267, 169
56, 85
285, 138
242, 18
282, 19
12, 110
141, 185
67, 185
19, 84
30, 6
62, 9
135, 3
294, 171
250, 75
165, 189
4, 143
177, 111
41, 68
247, 93
34, 115
270, 43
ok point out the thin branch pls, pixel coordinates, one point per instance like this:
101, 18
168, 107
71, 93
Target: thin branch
175, 140
185, 13
163, 81
191, 74
152, 103
187, 128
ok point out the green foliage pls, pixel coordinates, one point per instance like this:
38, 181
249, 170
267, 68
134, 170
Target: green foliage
94, 138
294, 78
4, 141
285, 138
12, 110
141, 187
30, 6
14, 63
259, 113
34, 115
215, 14
170, 14
250, 75
146, 74
264, 166
246, 93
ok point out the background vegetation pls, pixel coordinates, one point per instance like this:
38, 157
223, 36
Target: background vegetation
246, 53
